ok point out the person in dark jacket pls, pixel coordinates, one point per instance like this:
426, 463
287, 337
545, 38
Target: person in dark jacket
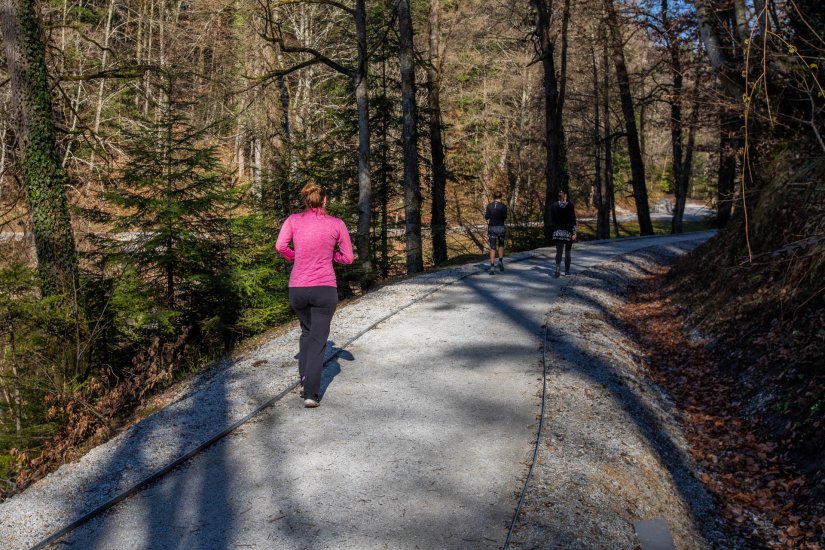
495, 214
563, 222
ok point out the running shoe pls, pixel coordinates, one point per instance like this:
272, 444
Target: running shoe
310, 403
557, 273
500, 264
492, 270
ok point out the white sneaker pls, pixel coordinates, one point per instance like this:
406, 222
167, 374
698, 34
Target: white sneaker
310, 403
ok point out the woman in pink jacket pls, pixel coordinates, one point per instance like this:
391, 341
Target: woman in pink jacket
318, 239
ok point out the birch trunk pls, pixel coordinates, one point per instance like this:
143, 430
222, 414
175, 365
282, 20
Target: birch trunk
100, 86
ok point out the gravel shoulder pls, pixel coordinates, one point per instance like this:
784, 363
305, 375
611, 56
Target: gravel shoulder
611, 452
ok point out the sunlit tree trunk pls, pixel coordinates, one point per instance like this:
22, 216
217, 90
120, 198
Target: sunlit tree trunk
362, 239
100, 87
412, 192
384, 117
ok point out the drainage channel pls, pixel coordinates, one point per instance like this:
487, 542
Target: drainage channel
538, 436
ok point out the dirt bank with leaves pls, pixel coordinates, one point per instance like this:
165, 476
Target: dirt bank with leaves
764, 494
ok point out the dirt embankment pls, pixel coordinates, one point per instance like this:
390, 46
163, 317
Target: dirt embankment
766, 487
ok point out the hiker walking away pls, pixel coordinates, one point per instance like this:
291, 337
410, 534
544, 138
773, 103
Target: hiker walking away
495, 214
318, 239
563, 222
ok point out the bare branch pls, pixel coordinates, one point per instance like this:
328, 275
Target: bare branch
332, 3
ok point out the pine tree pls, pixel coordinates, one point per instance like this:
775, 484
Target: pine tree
172, 228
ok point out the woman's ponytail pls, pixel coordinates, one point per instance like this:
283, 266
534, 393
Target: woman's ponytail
314, 195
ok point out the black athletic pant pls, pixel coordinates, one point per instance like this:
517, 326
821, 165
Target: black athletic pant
314, 306
566, 247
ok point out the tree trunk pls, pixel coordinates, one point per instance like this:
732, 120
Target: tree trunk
599, 188
728, 144
551, 96
686, 168
673, 45
43, 175
362, 238
439, 206
384, 117
728, 71
101, 84
256, 166
412, 192
608, 139
687, 162
717, 50
637, 167
740, 16
561, 141
240, 154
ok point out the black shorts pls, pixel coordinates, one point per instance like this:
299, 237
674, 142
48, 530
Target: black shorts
496, 235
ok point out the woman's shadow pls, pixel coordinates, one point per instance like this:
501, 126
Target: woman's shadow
332, 367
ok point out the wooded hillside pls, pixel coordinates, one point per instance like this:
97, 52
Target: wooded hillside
150, 150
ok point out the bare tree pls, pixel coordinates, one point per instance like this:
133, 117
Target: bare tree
439, 219
360, 81
412, 192
552, 133
637, 167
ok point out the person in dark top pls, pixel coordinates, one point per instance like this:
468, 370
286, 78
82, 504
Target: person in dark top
495, 214
563, 222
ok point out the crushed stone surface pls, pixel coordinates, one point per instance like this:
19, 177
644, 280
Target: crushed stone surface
611, 453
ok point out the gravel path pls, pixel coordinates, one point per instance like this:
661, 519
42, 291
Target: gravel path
421, 439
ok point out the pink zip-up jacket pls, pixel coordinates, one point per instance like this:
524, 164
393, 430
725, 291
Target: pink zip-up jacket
314, 235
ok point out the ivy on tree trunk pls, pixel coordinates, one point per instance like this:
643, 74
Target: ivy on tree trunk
43, 175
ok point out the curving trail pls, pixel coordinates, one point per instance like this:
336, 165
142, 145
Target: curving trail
423, 438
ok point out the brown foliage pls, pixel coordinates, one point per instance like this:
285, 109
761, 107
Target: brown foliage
760, 489
93, 413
